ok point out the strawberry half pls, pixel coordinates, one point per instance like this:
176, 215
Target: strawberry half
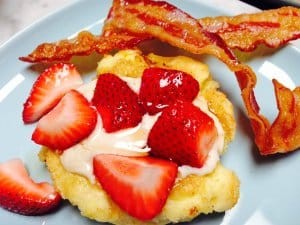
19, 194
162, 87
139, 185
47, 90
70, 121
117, 103
183, 133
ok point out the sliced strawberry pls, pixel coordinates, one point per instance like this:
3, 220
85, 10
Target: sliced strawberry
162, 87
183, 133
139, 185
18, 193
47, 90
70, 121
117, 103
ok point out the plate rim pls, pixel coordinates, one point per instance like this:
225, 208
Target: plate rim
19, 34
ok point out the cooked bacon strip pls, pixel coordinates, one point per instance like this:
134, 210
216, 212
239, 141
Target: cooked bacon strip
284, 132
245, 32
84, 44
167, 23
273, 28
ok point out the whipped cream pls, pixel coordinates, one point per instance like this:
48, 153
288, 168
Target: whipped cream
132, 141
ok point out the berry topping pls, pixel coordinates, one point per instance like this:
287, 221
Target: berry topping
70, 121
19, 194
183, 133
47, 90
117, 103
162, 87
139, 185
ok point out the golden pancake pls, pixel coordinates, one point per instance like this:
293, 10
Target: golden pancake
191, 196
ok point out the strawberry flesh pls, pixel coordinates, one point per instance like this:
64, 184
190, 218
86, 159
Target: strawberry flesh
139, 185
47, 90
19, 194
69, 122
117, 104
183, 133
162, 87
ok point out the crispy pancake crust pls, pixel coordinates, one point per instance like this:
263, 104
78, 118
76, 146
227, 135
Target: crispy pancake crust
192, 195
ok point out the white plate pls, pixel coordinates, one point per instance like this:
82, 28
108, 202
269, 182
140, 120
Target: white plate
269, 185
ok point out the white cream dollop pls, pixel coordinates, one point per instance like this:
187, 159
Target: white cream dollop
127, 142
132, 141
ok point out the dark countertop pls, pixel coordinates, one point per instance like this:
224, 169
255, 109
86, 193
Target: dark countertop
271, 4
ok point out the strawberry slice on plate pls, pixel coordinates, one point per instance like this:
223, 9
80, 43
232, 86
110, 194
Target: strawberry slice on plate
20, 194
139, 185
117, 103
183, 133
162, 87
69, 122
47, 90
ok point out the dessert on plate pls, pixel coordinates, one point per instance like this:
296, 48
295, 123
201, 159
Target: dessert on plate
199, 184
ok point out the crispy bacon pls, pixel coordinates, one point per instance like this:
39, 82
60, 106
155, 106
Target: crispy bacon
83, 44
167, 23
285, 131
273, 28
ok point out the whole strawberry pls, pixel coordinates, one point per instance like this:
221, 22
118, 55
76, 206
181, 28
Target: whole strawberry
117, 104
183, 133
162, 87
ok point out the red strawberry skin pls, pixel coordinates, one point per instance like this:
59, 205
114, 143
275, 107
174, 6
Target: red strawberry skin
47, 90
182, 133
162, 87
117, 104
69, 122
139, 185
19, 194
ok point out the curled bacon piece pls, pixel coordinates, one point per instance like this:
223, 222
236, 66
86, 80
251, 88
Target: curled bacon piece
245, 32
168, 23
285, 131
83, 44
